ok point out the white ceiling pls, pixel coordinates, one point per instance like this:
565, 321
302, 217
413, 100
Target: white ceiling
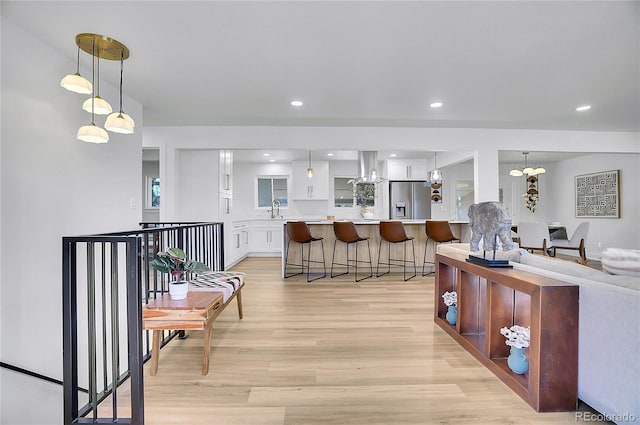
516, 64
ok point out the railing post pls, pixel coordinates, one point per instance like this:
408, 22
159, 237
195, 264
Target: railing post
69, 332
134, 325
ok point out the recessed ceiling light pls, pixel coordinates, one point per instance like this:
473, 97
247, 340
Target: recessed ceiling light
265, 154
583, 108
329, 154
393, 154
272, 160
436, 104
296, 103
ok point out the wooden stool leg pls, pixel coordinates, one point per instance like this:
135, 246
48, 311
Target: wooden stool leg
207, 349
239, 300
155, 351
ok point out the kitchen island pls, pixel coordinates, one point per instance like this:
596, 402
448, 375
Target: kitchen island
368, 228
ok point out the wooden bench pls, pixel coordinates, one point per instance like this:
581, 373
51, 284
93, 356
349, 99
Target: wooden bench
208, 296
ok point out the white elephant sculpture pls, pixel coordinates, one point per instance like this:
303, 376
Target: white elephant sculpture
488, 220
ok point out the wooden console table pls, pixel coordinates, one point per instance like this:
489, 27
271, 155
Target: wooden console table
196, 312
489, 299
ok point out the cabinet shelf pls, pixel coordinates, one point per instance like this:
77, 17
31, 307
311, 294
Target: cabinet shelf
489, 299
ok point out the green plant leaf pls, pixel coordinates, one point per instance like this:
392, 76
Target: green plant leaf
177, 253
197, 267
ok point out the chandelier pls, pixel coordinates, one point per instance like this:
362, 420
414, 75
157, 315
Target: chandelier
530, 171
99, 47
531, 195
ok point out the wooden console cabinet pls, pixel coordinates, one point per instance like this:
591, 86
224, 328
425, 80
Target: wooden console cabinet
489, 299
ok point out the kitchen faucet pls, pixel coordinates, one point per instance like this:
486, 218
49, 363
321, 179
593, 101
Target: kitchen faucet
275, 208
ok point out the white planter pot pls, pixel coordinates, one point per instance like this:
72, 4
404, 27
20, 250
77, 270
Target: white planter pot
178, 290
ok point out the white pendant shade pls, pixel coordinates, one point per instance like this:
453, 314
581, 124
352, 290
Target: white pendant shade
515, 173
77, 83
529, 170
119, 122
93, 134
436, 176
100, 106
540, 170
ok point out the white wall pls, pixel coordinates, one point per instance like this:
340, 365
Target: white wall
52, 185
623, 232
197, 180
446, 210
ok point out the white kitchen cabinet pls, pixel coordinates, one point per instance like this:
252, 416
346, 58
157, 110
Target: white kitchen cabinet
314, 188
266, 237
225, 167
239, 247
407, 169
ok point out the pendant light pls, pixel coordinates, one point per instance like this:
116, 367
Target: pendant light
92, 133
76, 82
97, 105
436, 175
528, 170
119, 122
309, 170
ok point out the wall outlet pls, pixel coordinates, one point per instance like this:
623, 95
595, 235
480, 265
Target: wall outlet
599, 244
132, 203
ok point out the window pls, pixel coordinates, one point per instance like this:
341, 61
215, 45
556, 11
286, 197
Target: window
271, 189
153, 192
342, 192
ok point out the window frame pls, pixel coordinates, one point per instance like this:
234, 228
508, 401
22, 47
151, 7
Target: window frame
256, 197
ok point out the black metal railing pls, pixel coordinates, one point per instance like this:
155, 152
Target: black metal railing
106, 281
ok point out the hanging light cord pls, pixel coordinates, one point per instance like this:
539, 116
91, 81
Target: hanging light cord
78, 62
121, 69
93, 79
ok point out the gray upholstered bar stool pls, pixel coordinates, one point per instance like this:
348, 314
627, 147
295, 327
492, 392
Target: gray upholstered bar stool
347, 233
439, 232
393, 233
299, 232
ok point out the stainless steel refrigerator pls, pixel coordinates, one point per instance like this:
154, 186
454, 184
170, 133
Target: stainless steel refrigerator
409, 200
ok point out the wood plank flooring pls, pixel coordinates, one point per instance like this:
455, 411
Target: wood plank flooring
331, 352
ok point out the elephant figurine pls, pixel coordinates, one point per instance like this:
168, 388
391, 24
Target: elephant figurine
488, 220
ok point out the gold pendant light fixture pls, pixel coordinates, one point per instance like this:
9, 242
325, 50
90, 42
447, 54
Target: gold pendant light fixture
99, 47
309, 170
76, 82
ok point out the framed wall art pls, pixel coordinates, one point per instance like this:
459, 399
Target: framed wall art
598, 194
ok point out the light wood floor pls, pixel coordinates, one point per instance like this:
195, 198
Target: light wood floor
330, 352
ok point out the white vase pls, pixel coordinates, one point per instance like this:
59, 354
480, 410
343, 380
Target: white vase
178, 290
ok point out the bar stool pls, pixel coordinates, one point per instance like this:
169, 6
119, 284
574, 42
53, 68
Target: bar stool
393, 232
346, 232
299, 232
439, 232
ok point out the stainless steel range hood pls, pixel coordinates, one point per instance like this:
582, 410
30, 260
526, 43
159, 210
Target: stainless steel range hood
368, 167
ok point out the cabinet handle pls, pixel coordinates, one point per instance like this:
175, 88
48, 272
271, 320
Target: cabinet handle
311, 191
237, 240
227, 204
227, 181
408, 171
268, 235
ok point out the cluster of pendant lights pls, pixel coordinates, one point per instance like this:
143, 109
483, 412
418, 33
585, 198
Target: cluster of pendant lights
99, 47
529, 171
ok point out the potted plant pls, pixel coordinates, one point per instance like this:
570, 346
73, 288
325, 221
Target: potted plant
451, 301
364, 194
174, 261
518, 339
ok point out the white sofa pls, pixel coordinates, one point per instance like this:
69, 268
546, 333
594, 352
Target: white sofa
609, 334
